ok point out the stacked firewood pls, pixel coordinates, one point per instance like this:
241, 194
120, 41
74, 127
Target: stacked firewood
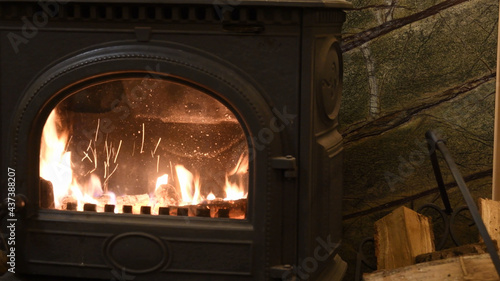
404, 247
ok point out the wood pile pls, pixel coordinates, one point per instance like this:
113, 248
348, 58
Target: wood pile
404, 246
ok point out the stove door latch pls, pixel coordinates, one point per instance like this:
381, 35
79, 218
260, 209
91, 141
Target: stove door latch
282, 272
287, 163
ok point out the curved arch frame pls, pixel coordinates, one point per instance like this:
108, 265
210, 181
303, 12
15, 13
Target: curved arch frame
218, 78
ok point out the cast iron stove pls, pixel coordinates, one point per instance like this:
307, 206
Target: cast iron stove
173, 140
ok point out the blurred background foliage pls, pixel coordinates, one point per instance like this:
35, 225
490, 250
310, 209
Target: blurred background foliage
411, 66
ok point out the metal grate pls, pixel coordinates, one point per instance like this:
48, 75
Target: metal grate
55, 11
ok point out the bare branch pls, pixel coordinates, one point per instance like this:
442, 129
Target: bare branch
361, 38
475, 176
394, 119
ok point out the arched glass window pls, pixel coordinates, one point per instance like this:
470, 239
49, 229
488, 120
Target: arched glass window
144, 146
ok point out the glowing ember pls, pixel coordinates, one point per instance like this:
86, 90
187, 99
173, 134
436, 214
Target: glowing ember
211, 196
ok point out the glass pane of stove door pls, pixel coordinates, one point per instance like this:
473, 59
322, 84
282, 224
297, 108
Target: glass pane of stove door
144, 146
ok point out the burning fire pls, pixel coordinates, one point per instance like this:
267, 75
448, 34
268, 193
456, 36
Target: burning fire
235, 191
211, 196
174, 190
190, 186
55, 161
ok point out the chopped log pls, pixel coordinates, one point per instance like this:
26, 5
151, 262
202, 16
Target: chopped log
400, 237
490, 213
476, 248
182, 211
470, 267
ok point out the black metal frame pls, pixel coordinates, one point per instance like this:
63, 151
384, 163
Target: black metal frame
435, 143
277, 61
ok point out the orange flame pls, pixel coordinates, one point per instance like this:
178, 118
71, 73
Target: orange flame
56, 167
235, 191
189, 186
55, 162
161, 180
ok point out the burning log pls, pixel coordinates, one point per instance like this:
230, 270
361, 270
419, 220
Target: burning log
203, 212
135, 201
69, 203
236, 208
223, 213
141, 199
166, 195
104, 200
89, 207
182, 211
220, 203
108, 208
46, 194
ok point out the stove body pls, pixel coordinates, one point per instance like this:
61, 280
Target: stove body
276, 67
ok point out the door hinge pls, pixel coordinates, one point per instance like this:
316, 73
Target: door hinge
287, 163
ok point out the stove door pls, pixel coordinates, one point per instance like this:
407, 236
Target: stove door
143, 159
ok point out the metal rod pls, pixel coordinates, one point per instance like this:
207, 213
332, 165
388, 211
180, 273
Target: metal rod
496, 138
439, 144
431, 142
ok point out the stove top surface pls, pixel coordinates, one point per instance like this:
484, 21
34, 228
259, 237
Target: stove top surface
300, 3
17, 277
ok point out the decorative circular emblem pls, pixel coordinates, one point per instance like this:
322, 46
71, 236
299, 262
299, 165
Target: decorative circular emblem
329, 85
136, 252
